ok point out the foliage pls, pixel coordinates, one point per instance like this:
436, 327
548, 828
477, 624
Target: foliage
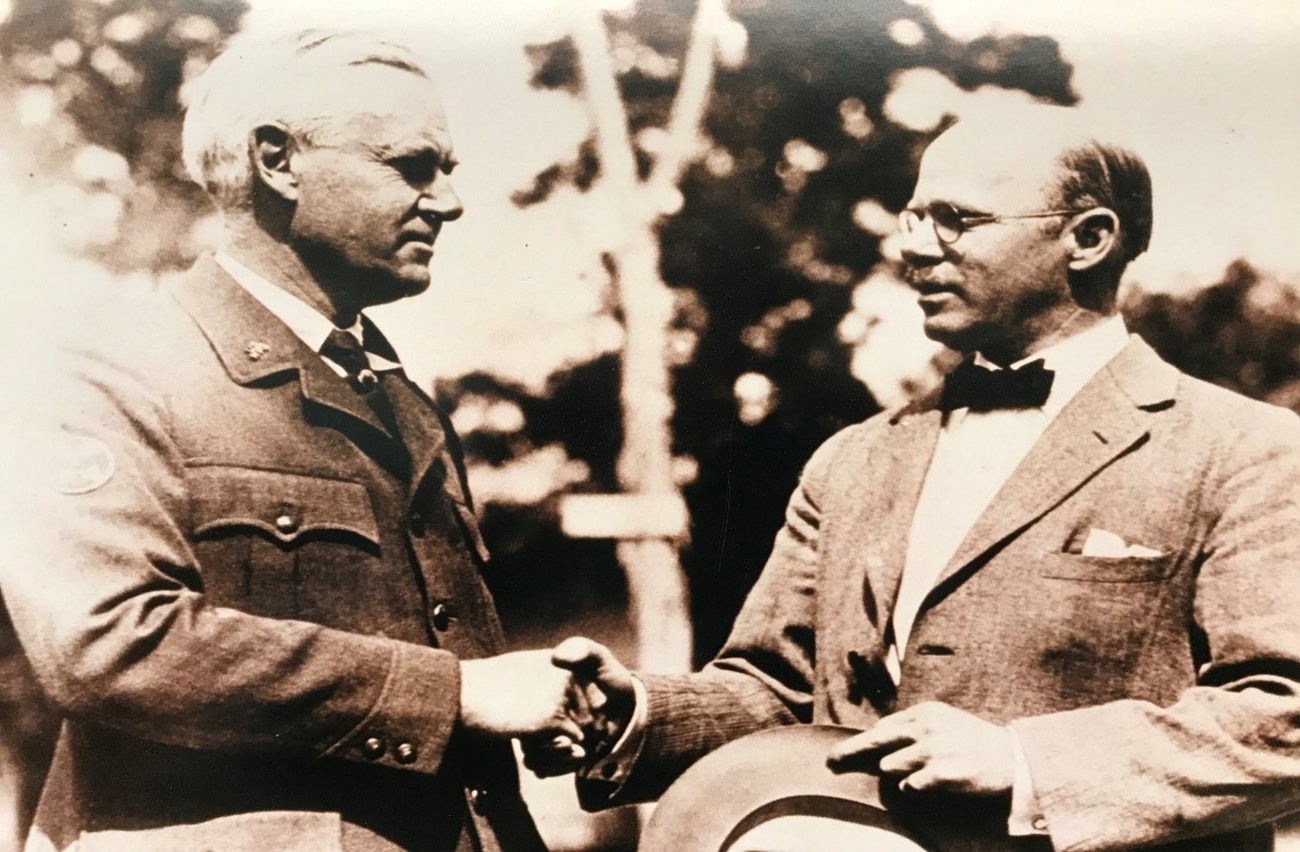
98, 90
1241, 332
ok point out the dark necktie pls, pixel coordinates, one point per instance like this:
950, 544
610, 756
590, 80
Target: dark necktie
981, 389
344, 349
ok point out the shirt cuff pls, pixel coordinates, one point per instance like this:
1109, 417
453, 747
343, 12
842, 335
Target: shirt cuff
1026, 817
616, 765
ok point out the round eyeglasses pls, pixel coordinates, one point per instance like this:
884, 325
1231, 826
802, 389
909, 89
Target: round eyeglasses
949, 223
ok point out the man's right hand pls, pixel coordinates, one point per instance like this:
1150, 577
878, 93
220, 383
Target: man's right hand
606, 682
522, 694
609, 696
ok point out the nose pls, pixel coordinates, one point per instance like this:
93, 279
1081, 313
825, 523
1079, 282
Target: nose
440, 200
920, 246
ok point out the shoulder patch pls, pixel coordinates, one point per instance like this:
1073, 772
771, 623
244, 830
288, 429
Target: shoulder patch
80, 464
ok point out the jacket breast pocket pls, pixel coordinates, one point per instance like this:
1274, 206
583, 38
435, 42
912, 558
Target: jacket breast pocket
282, 544
1102, 569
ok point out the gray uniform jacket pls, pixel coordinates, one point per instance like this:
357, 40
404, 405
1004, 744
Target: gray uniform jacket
1155, 695
246, 596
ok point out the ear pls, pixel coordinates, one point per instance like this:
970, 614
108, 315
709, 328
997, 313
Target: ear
270, 152
1092, 237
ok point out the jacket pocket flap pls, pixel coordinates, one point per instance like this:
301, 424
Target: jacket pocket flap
286, 506
1103, 569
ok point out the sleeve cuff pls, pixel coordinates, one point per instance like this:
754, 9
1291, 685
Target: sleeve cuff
616, 765
1026, 817
411, 724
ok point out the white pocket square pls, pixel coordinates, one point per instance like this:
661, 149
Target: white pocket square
1108, 545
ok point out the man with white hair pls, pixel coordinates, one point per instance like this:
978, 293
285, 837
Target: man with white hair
1060, 600
246, 567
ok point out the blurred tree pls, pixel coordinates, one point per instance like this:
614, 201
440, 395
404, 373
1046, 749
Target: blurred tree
780, 214
1241, 332
98, 86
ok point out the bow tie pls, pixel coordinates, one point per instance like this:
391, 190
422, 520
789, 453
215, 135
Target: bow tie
981, 389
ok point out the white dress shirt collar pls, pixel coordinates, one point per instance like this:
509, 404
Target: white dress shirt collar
308, 324
1075, 359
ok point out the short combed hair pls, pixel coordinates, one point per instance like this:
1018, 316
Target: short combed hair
1093, 169
1102, 174
274, 81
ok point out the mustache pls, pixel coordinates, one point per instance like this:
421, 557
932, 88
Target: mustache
926, 280
413, 235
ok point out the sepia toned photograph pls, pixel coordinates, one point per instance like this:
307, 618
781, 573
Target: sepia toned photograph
666, 425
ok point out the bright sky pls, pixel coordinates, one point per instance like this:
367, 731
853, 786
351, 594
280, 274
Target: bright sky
1208, 90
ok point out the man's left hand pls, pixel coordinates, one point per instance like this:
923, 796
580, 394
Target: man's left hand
932, 746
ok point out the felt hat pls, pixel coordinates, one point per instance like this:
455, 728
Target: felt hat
773, 792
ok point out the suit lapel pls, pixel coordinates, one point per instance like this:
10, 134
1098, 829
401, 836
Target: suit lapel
322, 387
1108, 418
431, 451
888, 493
420, 427
253, 344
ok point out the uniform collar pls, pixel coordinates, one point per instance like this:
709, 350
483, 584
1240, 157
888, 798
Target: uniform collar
307, 324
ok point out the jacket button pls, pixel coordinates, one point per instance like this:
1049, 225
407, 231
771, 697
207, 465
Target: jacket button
373, 748
1039, 824
441, 616
405, 754
286, 523
479, 800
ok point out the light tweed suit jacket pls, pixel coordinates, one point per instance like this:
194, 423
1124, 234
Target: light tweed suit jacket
1156, 697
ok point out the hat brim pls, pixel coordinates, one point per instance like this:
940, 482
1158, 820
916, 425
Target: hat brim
720, 803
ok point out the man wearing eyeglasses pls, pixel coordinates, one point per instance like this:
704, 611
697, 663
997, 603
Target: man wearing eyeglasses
1060, 599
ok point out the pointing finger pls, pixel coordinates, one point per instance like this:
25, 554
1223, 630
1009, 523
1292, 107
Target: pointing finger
861, 752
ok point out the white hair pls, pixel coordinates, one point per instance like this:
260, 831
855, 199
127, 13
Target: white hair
291, 80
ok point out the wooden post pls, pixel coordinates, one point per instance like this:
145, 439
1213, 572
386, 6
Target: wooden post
656, 586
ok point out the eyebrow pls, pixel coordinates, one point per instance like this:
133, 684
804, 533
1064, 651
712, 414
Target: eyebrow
391, 62
966, 208
959, 206
402, 150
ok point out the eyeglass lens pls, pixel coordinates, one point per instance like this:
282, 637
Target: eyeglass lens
946, 219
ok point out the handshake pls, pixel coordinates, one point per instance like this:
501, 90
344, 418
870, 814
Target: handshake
566, 705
